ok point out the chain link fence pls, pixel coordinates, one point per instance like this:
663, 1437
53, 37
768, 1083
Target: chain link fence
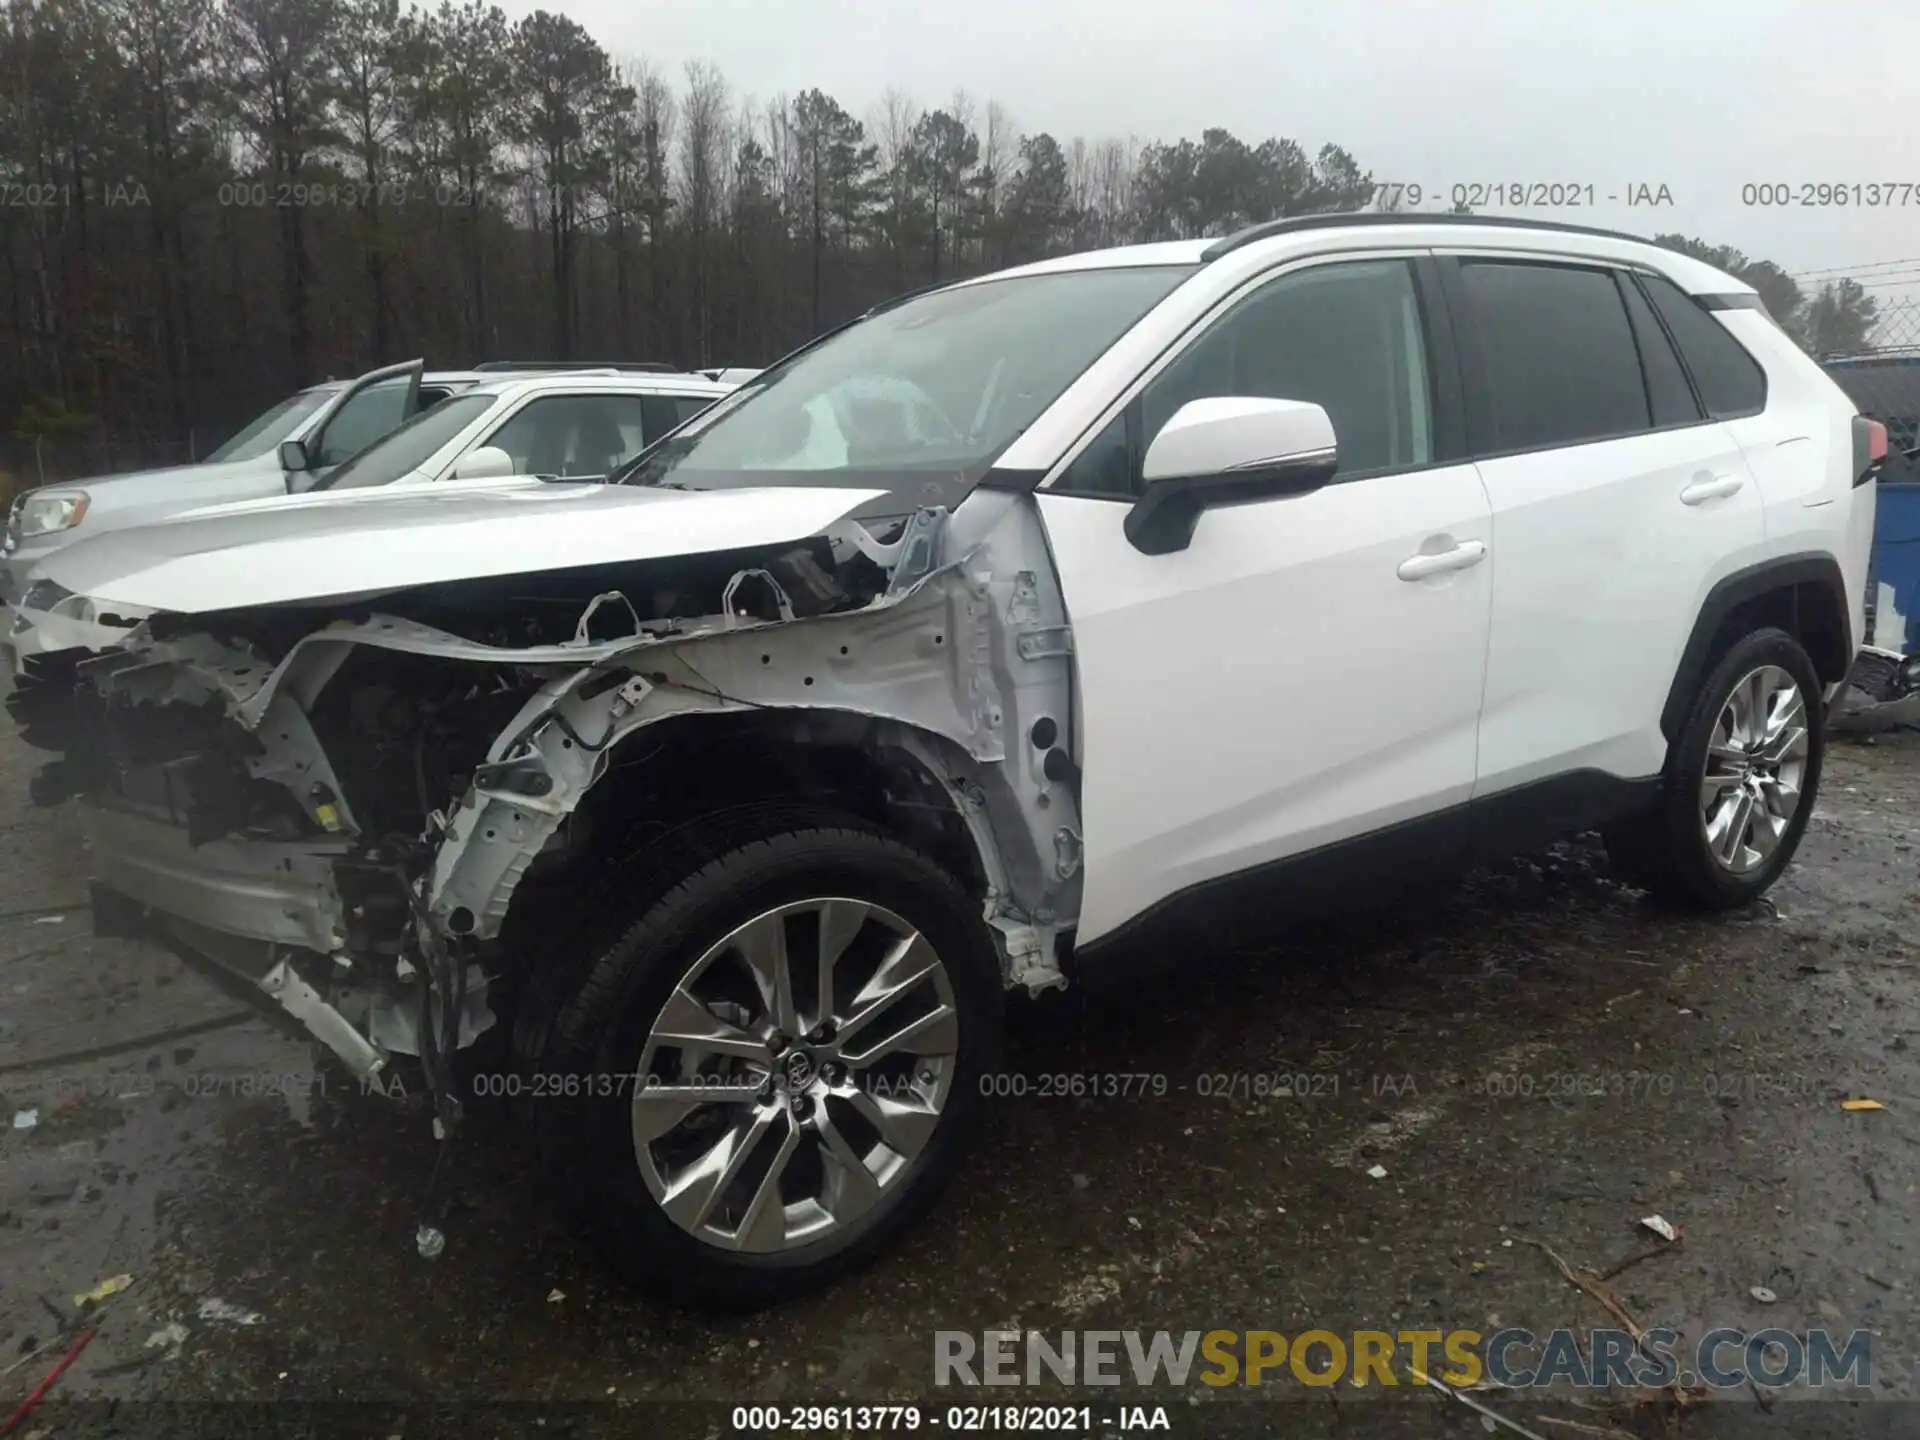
1882, 376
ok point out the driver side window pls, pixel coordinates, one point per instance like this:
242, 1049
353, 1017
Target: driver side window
371, 415
1347, 337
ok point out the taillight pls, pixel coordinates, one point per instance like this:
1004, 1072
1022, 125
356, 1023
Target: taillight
1869, 449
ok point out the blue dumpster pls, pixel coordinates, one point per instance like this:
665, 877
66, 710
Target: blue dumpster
1894, 586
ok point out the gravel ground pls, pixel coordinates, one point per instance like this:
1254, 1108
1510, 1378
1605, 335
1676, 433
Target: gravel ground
266, 1209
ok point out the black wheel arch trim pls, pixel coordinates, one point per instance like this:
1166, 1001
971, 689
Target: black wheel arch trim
1787, 574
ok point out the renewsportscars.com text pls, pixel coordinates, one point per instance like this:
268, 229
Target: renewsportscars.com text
1720, 1359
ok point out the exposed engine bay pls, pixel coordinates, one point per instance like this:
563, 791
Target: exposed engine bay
362, 807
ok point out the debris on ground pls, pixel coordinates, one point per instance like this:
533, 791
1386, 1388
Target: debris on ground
51, 920
113, 1285
1378, 1172
554, 1297
1857, 1105
1595, 1287
1763, 1294
227, 1313
1490, 1420
170, 1336
430, 1241
1662, 1227
39, 1392
26, 1119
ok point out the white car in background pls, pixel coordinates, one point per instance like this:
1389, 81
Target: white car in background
578, 426
574, 425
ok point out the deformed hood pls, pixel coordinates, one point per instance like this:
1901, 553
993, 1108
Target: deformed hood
328, 545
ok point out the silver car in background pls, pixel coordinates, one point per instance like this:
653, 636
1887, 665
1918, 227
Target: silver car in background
282, 451
322, 426
569, 423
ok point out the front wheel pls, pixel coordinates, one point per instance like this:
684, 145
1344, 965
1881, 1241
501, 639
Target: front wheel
1740, 784
775, 1068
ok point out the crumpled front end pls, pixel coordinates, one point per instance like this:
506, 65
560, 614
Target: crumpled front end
348, 803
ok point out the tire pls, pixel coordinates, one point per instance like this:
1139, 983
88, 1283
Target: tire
1672, 851
747, 1245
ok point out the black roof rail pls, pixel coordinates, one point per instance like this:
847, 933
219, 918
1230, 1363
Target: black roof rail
1226, 245
649, 367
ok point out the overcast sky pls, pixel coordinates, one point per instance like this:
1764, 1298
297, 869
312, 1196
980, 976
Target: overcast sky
1702, 96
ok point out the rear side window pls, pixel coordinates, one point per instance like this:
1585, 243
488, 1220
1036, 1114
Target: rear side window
1559, 355
1730, 380
1667, 388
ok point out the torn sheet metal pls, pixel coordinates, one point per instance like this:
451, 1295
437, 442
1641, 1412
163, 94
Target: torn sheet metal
964, 670
294, 995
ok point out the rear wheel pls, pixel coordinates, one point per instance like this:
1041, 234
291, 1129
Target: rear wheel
1741, 781
775, 1066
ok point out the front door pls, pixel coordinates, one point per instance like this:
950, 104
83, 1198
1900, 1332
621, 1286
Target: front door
1309, 668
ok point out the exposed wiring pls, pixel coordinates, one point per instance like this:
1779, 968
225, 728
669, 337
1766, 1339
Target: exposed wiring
712, 692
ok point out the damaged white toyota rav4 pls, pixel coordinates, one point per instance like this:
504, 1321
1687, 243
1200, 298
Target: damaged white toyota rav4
1016, 619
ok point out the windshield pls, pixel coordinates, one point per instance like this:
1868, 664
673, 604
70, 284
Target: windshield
923, 395
409, 447
263, 434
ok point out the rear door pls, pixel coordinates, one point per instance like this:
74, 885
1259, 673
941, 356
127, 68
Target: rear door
1616, 503
1309, 668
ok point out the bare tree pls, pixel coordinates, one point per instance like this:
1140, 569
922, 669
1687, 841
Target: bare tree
282, 58
375, 40
999, 146
706, 110
894, 125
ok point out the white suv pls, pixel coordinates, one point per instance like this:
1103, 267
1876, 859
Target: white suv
1019, 618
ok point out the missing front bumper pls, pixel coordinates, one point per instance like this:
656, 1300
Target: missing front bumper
249, 909
280, 893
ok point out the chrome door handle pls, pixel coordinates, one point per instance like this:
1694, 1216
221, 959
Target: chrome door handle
1711, 487
1419, 567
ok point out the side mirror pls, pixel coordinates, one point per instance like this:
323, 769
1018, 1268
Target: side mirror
1225, 451
489, 462
294, 457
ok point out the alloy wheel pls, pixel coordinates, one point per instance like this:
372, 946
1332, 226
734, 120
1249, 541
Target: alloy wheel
795, 1075
1756, 764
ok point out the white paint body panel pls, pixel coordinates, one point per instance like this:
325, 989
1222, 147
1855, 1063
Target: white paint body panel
325, 545
1801, 453
1275, 686
1600, 570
